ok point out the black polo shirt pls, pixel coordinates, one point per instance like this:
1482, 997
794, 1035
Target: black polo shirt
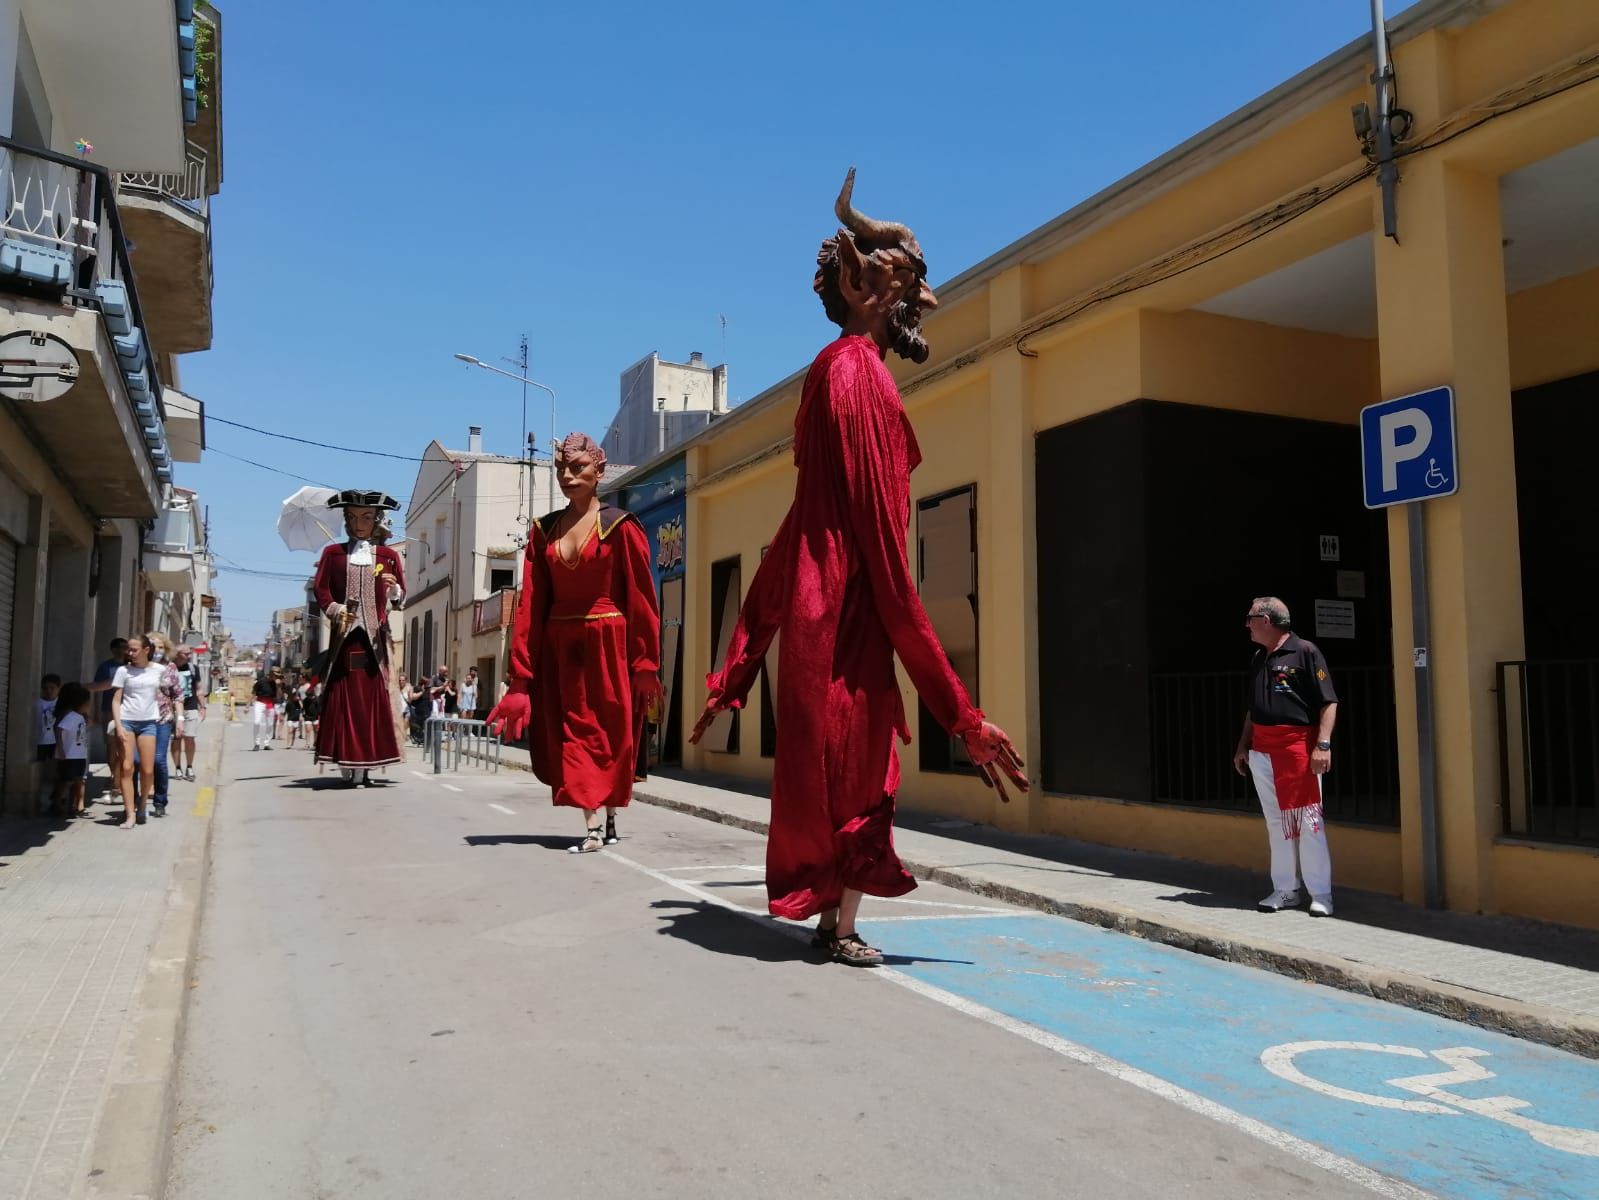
1289, 685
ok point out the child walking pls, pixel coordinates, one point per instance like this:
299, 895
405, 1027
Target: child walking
71, 719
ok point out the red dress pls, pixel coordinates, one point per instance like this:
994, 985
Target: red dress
582, 631
836, 581
356, 729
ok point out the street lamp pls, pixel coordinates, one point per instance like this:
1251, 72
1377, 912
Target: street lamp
525, 382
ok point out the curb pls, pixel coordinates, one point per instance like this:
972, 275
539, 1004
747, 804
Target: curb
133, 1143
1534, 1023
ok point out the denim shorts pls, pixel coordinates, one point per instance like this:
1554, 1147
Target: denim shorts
140, 728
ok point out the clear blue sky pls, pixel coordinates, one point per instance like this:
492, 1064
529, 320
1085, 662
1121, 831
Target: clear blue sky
406, 181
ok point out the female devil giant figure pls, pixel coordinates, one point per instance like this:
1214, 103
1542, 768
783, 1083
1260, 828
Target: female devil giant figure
835, 580
586, 648
358, 581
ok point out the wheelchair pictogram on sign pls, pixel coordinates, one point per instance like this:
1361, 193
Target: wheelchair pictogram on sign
1433, 1090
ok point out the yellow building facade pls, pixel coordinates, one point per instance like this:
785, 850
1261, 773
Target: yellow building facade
1144, 413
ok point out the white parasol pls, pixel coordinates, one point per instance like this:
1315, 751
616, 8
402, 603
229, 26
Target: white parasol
306, 522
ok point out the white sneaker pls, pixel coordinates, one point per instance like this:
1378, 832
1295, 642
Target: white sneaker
1321, 906
1278, 901
188, 773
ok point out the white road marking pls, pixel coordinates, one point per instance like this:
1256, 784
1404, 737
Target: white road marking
450, 787
421, 774
1309, 1152
723, 867
510, 812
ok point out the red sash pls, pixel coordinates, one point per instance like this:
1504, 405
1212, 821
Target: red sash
1298, 792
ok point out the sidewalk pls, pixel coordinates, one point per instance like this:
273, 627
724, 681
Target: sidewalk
96, 928
1535, 980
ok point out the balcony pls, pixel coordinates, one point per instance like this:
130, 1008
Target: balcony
171, 559
495, 612
74, 343
168, 219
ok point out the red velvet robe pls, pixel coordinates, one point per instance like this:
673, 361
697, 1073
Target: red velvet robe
356, 728
836, 581
581, 633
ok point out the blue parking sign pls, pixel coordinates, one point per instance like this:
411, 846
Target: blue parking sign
1407, 448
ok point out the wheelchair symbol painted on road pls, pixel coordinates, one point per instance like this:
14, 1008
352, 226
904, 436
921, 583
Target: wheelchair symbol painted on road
1436, 1099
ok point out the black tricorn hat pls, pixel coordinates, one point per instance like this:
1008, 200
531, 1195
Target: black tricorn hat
356, 498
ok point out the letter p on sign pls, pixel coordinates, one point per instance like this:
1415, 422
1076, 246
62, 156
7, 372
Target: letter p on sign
1407, 448
1403, 435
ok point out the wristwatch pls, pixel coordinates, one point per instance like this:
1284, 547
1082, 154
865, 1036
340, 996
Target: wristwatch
1324, 745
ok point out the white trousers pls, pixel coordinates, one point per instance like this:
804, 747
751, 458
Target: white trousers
261, 718
1292, 858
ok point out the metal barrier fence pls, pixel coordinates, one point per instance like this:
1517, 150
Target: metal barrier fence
1549, 749
450, 739
1194, 723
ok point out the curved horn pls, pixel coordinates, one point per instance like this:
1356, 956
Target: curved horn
889, 232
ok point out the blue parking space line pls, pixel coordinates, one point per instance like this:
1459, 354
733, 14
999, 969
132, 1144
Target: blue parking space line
1475, 1115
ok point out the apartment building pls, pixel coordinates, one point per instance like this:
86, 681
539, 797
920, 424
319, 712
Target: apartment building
110, 150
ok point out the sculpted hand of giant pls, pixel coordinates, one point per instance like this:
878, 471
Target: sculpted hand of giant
509, 718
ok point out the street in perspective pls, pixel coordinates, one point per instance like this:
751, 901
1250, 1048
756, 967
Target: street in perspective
1074, 688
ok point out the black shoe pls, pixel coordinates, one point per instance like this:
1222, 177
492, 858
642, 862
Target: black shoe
139, 820
611, 837
160, 810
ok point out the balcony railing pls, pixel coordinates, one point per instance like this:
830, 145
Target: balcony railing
61, 236
494, 612
1194, 724
186, 188
1549, 749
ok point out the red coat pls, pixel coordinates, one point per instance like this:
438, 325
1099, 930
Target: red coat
357, 724
836, 581
582, 631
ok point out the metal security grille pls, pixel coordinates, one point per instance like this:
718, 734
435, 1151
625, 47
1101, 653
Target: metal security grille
8, 593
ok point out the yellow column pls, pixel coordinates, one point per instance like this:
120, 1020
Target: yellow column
696, 607
1441, 320
1006, 563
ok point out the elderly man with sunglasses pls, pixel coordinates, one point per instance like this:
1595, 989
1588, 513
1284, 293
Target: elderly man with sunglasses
1286, 744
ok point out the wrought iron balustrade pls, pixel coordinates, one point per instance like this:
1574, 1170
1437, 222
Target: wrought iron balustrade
186, 187
1549, 749
61, 234
1195, 719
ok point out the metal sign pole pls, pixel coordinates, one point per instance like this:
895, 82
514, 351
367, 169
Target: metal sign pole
1426, 754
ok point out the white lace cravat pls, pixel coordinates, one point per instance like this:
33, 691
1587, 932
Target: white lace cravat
361, 554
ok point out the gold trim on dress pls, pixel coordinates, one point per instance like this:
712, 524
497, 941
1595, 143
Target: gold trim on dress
589, 617
578, 561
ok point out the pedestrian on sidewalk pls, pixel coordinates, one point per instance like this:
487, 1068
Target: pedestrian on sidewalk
836, 582
44, 739
71, 720
169, 699
105, 714
263, 710
1286, 744
467, 699
587, 645
136, 711
191, 714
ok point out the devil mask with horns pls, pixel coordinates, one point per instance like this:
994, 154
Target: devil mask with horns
872, 279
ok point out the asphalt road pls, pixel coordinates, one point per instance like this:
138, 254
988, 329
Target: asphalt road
414, 991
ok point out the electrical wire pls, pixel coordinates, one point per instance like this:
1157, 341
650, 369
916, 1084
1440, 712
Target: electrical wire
287, 437
210, 449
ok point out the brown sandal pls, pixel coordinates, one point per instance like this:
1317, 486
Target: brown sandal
852, 950
825, 937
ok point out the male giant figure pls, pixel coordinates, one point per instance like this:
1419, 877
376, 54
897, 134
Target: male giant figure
836, 581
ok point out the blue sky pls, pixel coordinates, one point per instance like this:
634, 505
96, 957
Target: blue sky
408, 181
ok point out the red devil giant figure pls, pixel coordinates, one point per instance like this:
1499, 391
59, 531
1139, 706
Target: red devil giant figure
836, 582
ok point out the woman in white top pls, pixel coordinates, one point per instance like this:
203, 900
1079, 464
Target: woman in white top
135, 713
